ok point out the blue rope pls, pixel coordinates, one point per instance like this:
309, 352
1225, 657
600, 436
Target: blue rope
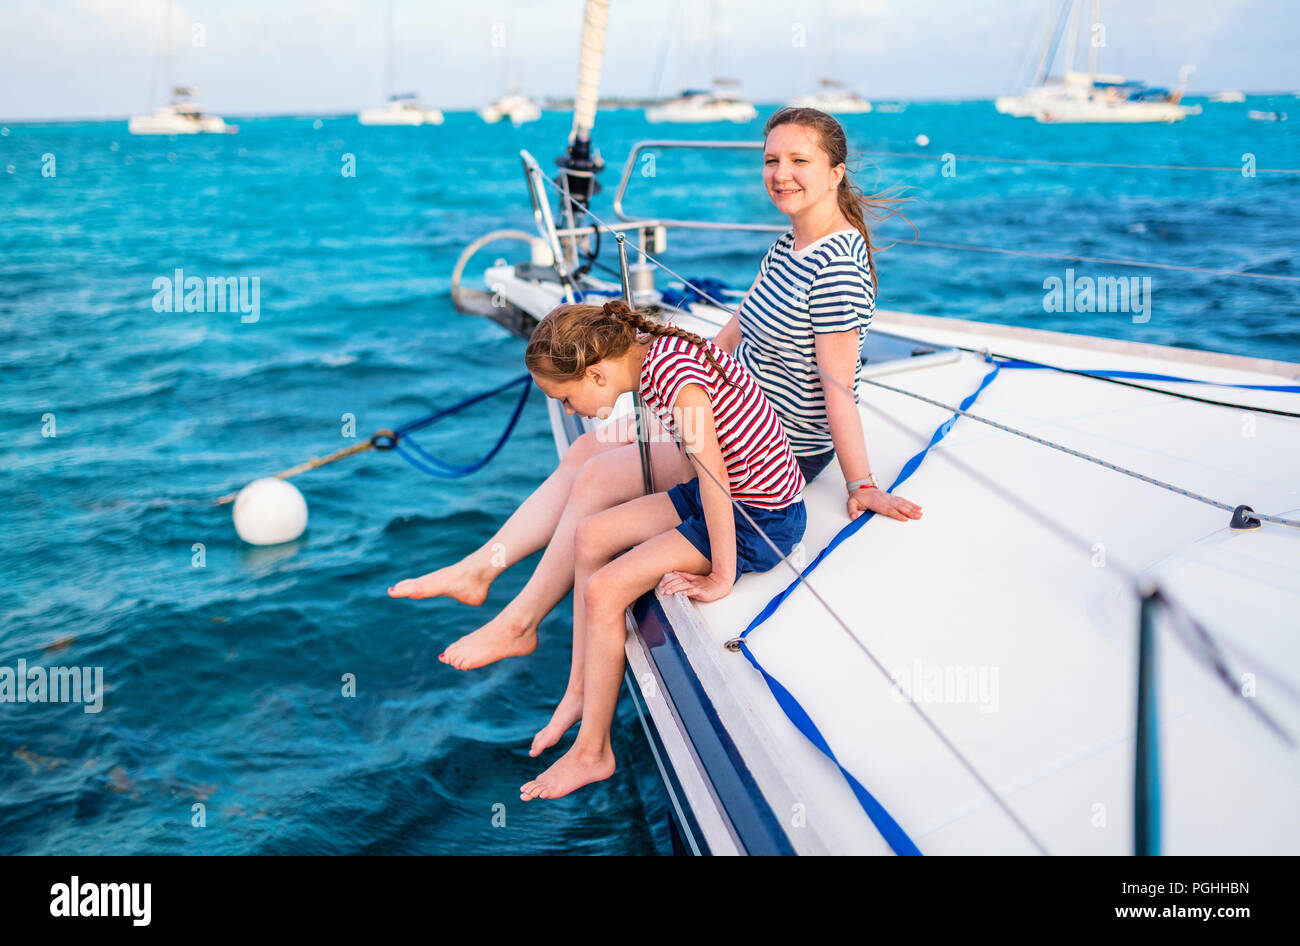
893, 834
1148, 376
695, 290
406, 447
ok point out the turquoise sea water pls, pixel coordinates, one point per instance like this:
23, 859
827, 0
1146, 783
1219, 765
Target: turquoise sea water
223, 681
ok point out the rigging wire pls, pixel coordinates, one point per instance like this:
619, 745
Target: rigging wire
1130, 384
993, 159
1075, 258
1280, 520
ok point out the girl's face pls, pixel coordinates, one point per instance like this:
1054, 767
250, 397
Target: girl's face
589, 396
797, 171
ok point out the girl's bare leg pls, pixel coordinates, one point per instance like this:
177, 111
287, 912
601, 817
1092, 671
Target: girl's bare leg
610, 478
598, 539
526, 531
608, 590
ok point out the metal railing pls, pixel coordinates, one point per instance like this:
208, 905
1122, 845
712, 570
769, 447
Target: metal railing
641, 146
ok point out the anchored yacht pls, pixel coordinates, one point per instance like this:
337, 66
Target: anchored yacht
400, 108
513, 106
404, 109
180, 116
835, 98
695, 106
1090, 97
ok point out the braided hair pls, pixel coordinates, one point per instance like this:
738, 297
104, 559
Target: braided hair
575, 336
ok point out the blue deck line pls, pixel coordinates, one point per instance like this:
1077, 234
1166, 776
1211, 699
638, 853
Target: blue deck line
1150, 376
889, 828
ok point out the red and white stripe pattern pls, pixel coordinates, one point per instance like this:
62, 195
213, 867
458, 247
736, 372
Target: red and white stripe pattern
761, 467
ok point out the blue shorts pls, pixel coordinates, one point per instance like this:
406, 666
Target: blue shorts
784, 527
811, 466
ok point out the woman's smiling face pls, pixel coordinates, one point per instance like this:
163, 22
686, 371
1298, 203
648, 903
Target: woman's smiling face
797, 170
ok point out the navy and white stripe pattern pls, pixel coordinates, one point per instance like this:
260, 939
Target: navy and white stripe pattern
761, 468
825, 287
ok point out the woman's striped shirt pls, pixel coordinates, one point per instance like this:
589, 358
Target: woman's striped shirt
825, 287
761, 468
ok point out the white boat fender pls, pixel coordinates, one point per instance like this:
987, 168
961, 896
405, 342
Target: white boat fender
269, 511
1243, 521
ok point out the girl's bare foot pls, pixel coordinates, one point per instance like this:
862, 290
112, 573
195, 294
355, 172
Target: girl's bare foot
499, 638
462, 581
566, 714
574, 769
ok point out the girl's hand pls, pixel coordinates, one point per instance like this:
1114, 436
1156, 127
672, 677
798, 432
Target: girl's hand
708, 587
882, 503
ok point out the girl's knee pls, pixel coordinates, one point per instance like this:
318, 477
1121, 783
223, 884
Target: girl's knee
599, 598
588, 540
580, 451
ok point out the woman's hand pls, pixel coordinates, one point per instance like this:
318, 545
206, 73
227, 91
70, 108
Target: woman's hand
708, 587
882, 503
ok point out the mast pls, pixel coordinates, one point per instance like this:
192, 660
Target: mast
1071, 36
388, 50
1049, 47
171, 54
657, 90
579, 162
1092, 40
713, 47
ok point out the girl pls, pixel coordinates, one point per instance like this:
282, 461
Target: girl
691, 536
802, 321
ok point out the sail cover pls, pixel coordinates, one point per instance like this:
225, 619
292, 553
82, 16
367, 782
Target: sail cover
593, 54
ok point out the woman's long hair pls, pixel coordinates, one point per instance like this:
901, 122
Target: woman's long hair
854, 204
575, 336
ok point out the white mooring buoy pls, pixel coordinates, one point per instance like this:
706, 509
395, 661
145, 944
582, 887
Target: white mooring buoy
270, 511
923, 140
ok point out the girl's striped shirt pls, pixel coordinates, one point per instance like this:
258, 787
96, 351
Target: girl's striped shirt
761, 467
825, 287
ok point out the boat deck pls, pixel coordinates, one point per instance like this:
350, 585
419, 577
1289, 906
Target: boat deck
1008, 612
1018, 644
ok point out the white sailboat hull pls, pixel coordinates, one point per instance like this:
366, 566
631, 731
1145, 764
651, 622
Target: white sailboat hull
517, 111
835, 103
693, 113
1071, 111
169, 121
399, 114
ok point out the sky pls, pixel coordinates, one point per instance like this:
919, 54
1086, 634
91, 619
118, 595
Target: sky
64, 59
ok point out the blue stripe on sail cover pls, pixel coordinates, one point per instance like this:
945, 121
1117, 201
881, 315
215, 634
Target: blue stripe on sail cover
1147, 376
894, 835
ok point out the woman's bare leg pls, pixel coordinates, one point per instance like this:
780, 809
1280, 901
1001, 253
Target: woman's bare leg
599, 621
606, 480
526, 531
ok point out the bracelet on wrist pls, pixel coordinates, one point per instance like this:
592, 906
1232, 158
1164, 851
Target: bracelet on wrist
867, 482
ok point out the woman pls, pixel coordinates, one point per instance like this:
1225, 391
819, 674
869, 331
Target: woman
801, 321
